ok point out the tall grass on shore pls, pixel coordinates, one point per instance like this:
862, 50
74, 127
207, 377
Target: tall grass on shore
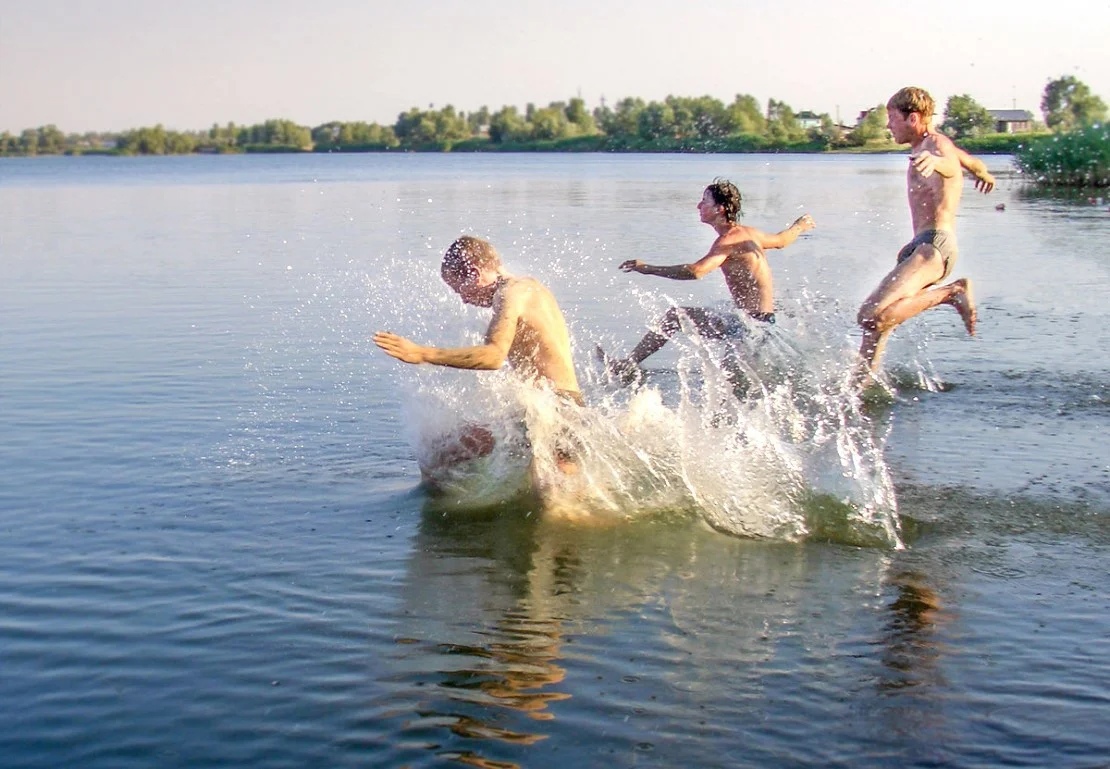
1080, 158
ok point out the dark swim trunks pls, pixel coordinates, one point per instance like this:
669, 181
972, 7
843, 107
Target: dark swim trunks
942, 240
733, 326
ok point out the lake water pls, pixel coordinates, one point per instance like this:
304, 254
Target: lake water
216, 550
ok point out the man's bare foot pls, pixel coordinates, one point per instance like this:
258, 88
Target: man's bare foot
964, 301
624, 371
862, 376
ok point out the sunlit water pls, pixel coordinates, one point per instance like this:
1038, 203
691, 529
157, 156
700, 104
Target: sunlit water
216, 549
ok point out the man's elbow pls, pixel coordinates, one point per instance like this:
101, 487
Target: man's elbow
493, 360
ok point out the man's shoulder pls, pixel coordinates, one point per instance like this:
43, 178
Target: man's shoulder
523, 283
525, 288
941, 144
740, 240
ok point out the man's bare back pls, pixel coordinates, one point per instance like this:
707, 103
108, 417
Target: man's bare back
540, 347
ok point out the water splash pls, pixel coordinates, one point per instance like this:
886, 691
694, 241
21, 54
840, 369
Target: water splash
762, 439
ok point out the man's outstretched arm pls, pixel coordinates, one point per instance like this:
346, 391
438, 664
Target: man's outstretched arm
694, 271
479, 357
803, 223
482, 357
984, 182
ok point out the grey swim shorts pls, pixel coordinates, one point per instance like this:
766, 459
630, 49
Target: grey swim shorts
942, 240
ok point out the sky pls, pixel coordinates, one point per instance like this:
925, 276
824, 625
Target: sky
114, 65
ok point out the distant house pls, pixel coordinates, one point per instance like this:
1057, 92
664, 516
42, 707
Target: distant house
808, 120
1012, 121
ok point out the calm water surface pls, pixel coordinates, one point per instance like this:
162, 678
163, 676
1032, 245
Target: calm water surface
214, 549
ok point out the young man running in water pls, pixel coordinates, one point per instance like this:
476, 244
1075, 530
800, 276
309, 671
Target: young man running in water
934, 183
527, 330
738, 252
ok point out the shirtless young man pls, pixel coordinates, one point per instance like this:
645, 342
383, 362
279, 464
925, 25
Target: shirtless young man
738, 252
934, 182
527, 330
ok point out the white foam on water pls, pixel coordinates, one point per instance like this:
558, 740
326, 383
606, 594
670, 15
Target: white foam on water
794, 457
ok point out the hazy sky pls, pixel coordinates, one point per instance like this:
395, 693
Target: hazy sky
119, 64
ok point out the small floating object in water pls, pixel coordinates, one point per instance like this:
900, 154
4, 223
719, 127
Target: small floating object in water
1000, 207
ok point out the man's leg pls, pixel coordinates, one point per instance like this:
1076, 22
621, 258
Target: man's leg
902, 294
957, 293
706, 323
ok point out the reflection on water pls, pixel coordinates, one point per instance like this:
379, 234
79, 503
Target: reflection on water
482, 607
910, 646
500, 611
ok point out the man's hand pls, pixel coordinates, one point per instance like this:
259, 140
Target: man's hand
632, 265
925, 163
399, 347
804, 222
984, 182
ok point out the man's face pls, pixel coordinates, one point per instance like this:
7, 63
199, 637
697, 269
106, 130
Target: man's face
470, 287
708, 208
901, 126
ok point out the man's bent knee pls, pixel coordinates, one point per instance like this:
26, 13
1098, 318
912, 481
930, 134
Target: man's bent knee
670, 324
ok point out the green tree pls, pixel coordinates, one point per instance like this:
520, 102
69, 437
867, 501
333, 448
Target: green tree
551, 122
623, 121
746, 116
478, 120
358, 135
144, 141
828, 133
29, 142
963, 116
178, 143
451, 126
415, 127
1079, 158
580, 118
507, 125
871, 129
702, 117
782, 123
51, 140
655, 121
222, 138
1068, 104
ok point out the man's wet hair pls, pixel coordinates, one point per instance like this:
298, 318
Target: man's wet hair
727, 195
468, 255
913, 99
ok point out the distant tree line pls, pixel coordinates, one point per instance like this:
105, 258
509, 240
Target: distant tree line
676, 123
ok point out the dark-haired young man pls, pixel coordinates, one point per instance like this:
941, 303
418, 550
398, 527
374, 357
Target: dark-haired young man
934, 182
738, 252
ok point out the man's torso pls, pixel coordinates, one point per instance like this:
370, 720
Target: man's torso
747, 274
933, 200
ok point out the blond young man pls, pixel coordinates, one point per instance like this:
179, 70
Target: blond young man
934, 183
